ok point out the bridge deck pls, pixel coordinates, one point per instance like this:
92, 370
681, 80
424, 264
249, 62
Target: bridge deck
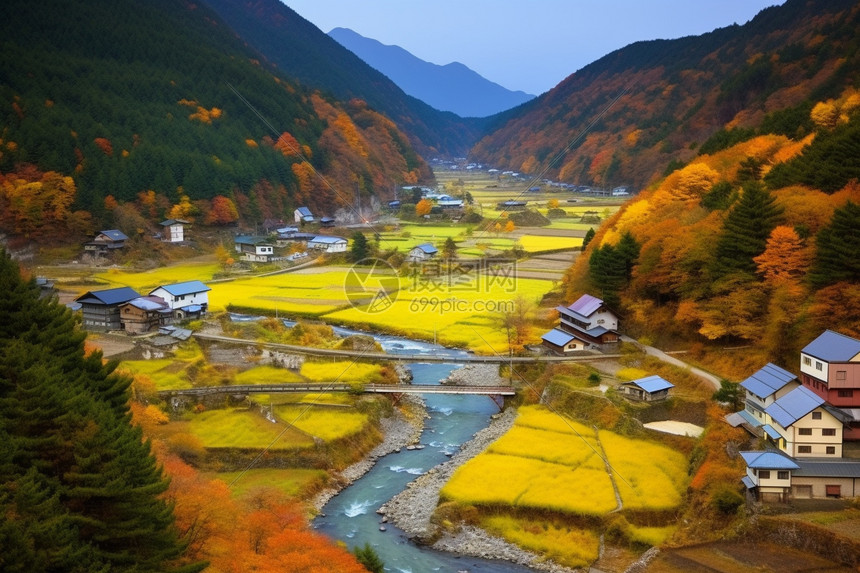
337, 387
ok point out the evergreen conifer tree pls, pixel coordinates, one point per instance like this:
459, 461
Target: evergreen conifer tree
79, 488
836, 248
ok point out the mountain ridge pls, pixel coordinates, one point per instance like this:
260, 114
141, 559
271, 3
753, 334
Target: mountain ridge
448, 87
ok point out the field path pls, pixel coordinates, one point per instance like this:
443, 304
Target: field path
656, 352
609, 471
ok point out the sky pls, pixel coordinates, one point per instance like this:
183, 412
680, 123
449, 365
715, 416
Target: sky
524, 45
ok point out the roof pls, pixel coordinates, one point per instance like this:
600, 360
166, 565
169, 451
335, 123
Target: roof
586, 305
748, 482
188, 287
794, 405
833, 347
170, 222
735, 419
828, 467
771, 431
114, 235
426, 248
327, 219
768, 460
148, 302
652, 384
304, 212
250, 240
558, 337
767, 380
192, 308
327, 239
108, 296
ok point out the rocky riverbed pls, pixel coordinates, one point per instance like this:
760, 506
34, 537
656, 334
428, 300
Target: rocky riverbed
412, 509
400, 430
475, 375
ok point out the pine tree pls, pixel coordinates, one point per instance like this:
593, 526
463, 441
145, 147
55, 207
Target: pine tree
608, 270
79, 488
588, 236
360, 249
745, 231
836, 248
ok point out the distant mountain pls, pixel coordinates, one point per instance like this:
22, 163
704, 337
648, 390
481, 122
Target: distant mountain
625, 118
136, 101
452, 87
303, 51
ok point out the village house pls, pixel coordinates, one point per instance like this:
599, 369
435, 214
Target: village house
511, 205
769, 475
588, 320
328, 244
327, 222
173, 230
100, 308
648, 389
188, 299
422, 252
762, 389
561, 342
303, 215
805, 425
144, 314
830, 367
254, 249
772, 476
106, 241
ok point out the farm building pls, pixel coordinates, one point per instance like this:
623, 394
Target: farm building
100, 308
422, 252
174, 230
254, 249
561, 342
144, 314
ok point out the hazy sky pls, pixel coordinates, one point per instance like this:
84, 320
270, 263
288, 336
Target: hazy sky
524, 45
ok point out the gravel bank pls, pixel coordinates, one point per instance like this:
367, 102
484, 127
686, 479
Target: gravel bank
411, 509
399, 432
476, 375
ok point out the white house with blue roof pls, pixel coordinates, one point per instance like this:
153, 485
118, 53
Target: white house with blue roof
187, 299
648, 389
422, 252
328, 243
804, 425
589, 321
769, 474
303, 215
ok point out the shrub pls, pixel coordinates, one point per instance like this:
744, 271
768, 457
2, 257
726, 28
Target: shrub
726, 500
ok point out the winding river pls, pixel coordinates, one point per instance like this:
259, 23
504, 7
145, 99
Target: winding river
351, 515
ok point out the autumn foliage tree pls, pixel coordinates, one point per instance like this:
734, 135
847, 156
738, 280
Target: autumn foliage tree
423, 207
223, 211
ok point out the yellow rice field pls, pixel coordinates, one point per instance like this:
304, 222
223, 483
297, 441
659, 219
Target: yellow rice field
323, 423
267, 375
341, 371
567, 546
240, 428
144, 282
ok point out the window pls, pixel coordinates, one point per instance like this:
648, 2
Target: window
816, 415
828, 432
782, 474
804, 449
764, 474
840, 374
846, 393
804, 431
818, 365
807, 361
831, 450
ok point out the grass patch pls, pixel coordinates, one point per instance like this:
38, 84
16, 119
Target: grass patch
326, 424
292, 482
163, 372
240, 428
568, 546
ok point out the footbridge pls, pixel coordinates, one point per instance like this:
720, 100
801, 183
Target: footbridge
323, 388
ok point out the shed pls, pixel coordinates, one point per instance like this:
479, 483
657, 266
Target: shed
648, 389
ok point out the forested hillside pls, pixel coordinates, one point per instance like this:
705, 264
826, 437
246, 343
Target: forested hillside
639, 112
303, 51
756, 244
112, 103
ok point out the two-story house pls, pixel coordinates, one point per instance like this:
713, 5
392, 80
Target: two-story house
761, 389
187, 300
173, 230
769, 474
100, 308
589, 320
806, 425
830, 367
254, 249
422, 252
106, 242
144, 314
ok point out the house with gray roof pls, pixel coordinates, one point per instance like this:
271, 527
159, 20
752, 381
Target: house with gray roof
144, 314
100, 308
648, 389
254, 249
173, 230
106, 242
